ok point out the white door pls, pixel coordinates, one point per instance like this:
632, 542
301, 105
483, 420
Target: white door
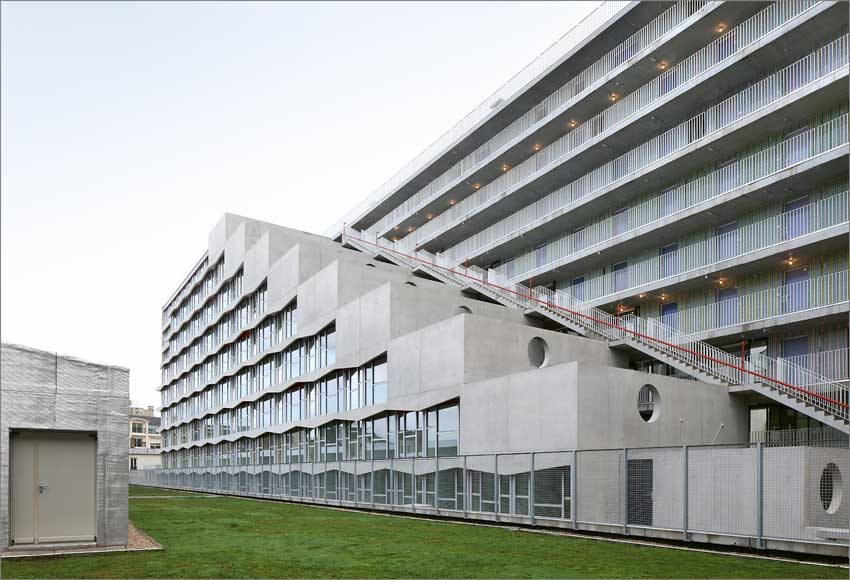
53, 487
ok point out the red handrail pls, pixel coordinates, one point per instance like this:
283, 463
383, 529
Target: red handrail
609, 324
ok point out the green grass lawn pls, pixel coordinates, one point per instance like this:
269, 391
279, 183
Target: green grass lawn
219, 537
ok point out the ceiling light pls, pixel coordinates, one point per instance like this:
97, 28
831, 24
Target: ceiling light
721, 27
505, 167
536, 147
613, 97
663, 65
476, 186
429, 216
452, 202
572, 123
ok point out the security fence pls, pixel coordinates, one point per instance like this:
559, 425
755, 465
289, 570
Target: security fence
794, 497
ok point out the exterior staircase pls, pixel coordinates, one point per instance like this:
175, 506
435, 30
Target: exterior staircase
471, 279
826, 401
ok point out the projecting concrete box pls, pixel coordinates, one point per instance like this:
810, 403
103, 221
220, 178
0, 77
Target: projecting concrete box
63, 436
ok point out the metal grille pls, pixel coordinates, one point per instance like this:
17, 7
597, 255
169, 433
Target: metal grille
757, 492
723, 484
600, 486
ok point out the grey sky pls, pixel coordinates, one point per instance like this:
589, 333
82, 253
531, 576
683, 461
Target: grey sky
129, 128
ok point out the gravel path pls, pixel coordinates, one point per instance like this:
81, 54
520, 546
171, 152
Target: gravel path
138, 540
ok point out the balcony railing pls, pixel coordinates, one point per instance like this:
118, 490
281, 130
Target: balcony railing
555, 104
804, 436
627, 110
736, 244
666, 205
785, 377
818, 292
832, 364
643, 334
589, 25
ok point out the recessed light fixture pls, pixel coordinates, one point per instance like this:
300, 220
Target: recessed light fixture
663, 65
409, 228
613, 97
452, 202
721, 27
476, 186
429, 216
572, 123
536, 147
505, 167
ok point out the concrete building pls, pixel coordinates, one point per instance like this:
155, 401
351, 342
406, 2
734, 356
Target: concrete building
144, 428
63, 451
638, 245
145, 440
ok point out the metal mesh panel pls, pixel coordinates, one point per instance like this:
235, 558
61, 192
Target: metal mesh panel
402, 482
552, 472
514, 484
481, 484
450, 484
364, 481
381, 482
722, 490
805, 493
801, 492
425, 482
600, 486
655, 488
332, 481
348, 481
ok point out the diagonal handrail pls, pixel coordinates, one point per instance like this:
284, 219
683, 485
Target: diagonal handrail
634, 329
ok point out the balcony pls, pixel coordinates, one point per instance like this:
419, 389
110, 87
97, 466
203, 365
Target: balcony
794, 228
815, 436
584, 30
638, 46
686, 75
766, 307
661, 210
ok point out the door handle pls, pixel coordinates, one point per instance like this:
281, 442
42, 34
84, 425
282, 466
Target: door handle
42, 487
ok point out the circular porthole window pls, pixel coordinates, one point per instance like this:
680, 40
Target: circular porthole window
464, 310
538, 352
649, 403
831, 487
